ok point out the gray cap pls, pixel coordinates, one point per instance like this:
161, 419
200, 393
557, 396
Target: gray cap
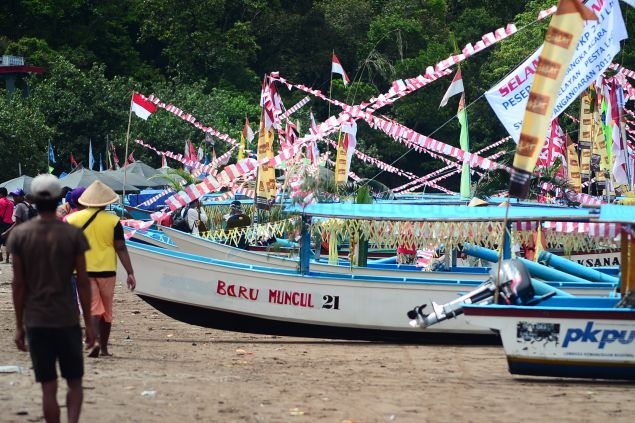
46, 187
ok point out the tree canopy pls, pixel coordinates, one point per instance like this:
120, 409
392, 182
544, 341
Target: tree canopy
208, 57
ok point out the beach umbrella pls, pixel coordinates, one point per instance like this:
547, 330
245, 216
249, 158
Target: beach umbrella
85, 177
23, 182
131, 178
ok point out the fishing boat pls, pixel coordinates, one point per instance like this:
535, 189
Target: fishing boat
572, 337
229, 295
578, 337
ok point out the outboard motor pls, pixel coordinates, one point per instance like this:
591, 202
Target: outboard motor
514, 287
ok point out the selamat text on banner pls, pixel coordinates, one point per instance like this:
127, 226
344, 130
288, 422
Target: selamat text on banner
599, 43
563, 34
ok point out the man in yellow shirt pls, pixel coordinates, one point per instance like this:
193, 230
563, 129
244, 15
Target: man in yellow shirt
106, 239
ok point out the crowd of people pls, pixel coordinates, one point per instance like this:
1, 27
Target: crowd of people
63, 248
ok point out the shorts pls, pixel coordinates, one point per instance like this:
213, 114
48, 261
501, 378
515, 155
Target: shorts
48, 345
103, 291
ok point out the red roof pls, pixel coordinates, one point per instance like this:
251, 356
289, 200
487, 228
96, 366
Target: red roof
21, 69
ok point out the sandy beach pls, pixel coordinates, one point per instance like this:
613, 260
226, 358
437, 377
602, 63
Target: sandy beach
166, 371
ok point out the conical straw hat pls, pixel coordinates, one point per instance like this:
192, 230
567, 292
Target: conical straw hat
475, 202
504, 204
98, 194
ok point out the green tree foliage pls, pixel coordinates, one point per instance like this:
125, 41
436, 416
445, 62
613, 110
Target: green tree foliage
23, 137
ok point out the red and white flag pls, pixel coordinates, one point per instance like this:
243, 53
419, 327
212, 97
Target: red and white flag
336, 67
456, 87
141, 106
130, 158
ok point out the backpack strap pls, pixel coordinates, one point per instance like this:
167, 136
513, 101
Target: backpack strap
89, 221
184, 214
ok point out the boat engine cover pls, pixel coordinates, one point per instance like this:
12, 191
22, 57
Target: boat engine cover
515, 282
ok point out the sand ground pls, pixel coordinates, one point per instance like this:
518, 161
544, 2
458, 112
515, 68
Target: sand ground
166, 371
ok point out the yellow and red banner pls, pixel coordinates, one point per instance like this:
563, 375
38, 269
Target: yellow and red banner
563, 34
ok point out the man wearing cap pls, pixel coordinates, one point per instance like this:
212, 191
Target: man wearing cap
6, 218
237, 219
106, 239
21, 209
46, 251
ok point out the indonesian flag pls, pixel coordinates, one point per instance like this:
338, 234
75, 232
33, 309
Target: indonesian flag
131, 157
141, 106
456, 87
336, 67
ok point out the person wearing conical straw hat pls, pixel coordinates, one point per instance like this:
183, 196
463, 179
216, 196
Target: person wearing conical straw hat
106, 238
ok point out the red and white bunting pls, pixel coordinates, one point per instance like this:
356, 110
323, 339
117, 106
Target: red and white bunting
596, 230
211, 183
192, 120
154, 199
142, 225
194, 164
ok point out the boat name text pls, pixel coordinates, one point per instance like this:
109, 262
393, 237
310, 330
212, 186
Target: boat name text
602, 337
277, 296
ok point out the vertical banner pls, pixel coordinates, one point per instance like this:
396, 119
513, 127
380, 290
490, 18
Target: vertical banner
563, 34
341, 160
585, 134
266, 180
573, 166
346, 145
599, 154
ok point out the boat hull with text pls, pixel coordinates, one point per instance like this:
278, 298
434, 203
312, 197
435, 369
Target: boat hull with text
269, 300
564, 337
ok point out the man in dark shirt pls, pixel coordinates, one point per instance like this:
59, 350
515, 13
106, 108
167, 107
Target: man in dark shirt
45, 252
237, 220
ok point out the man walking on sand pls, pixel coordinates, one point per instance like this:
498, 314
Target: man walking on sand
106, 239
45, 252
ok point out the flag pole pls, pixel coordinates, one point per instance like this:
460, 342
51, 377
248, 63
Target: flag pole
123, 191
330, 93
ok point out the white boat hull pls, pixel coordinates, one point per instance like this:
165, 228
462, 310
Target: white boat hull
249, 298
579, 337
